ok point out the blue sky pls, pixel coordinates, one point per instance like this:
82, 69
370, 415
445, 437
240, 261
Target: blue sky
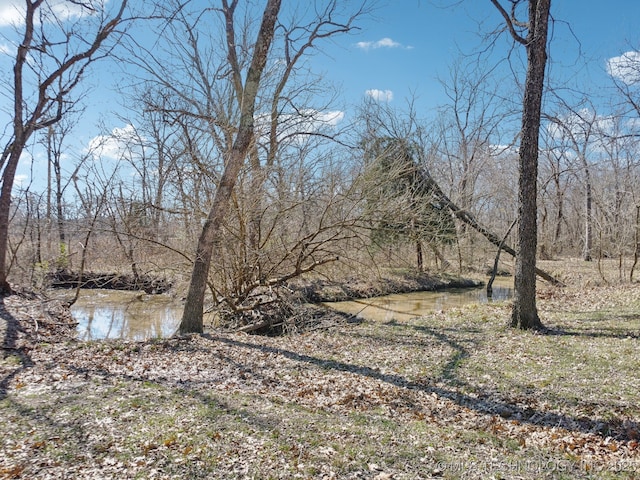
403, 50
423, 41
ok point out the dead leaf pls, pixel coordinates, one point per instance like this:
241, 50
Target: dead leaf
383, 476
12, 472
170, 441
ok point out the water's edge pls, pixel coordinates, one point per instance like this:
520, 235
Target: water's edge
136, 316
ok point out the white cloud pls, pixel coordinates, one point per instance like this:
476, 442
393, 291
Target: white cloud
331, 118
297, 127
633, 124
20, 180
625, 68
121, 143
6, 49
12, 11
385, 42
579, 123
498, 150
380, 95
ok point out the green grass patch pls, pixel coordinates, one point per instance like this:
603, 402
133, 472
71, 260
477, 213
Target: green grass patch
455, 394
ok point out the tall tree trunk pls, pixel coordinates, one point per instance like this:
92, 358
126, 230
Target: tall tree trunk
559, 215
12, 154
192, 317
50, 155
8, 176
59, 209
525, 312
636, 248
51, 97
588, 221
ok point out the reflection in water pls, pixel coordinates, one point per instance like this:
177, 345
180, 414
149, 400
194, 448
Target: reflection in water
135, 316
403, 306
125, 315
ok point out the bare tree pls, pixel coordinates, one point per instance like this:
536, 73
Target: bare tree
240, 114
470, 125
625, 73
382, 122
554, 187
399, 207
51, 61
58, 182
531, 33
161, 148
192, 321
579, 127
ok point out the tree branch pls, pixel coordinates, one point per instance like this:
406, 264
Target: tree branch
510, 23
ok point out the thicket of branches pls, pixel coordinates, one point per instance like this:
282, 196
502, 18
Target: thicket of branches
315, 196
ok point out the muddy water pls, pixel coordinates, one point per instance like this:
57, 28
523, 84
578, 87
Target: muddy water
103, 314
403, 306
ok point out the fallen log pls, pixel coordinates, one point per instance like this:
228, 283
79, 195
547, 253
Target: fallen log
111, 281
254, 326
432, 186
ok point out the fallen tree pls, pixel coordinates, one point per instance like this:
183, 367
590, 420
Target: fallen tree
430, 185
112, 281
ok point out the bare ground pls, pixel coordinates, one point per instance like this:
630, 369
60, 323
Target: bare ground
455, 394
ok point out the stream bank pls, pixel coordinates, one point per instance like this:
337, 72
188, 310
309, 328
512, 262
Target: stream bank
109, 281
353, 288
299, 309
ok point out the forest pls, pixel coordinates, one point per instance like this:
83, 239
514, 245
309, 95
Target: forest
237, 187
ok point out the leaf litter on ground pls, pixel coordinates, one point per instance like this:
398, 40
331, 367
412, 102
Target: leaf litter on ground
455, 394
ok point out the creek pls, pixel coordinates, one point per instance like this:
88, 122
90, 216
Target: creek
403, 306
116, 314
104, 314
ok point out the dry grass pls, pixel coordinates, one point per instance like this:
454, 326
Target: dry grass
455, 394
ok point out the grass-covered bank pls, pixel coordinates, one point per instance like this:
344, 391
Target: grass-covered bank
455, 394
